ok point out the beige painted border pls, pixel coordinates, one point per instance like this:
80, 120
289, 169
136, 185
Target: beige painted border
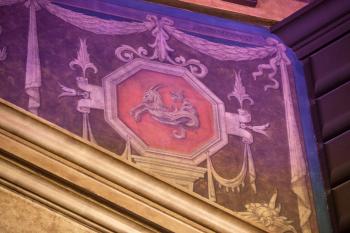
86, 182
89, 212
111, 111
46, 160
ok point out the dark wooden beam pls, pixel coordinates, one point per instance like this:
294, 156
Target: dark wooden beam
251, 3
217, 12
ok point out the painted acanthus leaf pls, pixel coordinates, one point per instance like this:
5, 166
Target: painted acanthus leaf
160, 45
83, 59
161, 50
239, 91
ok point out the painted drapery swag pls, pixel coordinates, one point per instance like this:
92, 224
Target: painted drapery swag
238, 123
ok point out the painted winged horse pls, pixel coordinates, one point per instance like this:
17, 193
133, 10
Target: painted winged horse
184, 117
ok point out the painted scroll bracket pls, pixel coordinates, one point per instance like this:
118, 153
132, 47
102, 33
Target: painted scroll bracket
92, 96
238, 124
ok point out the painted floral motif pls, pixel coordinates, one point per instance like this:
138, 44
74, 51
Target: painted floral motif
268, 215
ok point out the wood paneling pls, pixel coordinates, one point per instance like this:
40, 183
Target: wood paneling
319, 35
244, 2
341, 196
338, 157
331, 66
334, 111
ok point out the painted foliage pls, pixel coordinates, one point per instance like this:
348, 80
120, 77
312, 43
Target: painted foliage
211, 109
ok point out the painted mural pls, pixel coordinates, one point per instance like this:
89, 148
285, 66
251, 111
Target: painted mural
210, 109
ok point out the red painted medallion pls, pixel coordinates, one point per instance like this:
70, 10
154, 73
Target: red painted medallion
159, 134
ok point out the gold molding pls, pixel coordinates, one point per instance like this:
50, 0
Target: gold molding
91, 212
86, 182
44, 159
32, 209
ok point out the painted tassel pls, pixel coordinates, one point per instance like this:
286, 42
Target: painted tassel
127, 152
33, 73
87, 131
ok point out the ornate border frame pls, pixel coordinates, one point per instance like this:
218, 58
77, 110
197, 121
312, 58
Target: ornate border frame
124, 72
286, 87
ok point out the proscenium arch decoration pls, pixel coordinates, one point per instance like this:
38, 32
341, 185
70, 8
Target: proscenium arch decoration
235, 82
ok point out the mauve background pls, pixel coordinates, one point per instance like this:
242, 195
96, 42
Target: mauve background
58, 45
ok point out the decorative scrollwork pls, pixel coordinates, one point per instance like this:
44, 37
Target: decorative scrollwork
126, 53
161, 49
195, 66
